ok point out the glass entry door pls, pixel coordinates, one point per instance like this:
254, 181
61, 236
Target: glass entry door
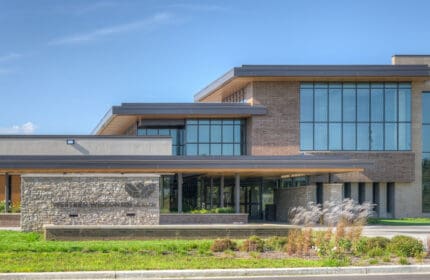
250, 200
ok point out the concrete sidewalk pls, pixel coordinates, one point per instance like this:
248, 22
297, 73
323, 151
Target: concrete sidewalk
216, 273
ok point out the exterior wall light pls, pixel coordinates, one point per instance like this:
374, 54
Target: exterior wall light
70, 141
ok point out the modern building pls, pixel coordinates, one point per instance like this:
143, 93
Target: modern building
259, 139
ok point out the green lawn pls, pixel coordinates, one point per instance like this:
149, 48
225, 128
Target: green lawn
400, 222
26, 252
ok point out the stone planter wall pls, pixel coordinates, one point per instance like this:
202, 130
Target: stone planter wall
89, 199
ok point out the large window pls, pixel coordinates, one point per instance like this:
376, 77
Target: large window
215, 137
426, 151
355, 116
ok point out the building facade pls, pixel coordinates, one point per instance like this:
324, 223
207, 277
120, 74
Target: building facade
260, 140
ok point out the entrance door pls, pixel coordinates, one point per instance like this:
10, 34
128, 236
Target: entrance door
250, 201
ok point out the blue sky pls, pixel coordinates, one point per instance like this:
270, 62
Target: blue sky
63, 64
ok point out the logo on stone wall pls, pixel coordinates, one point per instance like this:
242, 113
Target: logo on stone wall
139, 190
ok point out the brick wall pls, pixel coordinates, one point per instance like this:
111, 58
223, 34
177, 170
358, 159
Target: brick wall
277, 132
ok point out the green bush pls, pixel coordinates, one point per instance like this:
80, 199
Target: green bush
375, 252
405, 246
224, 210
377, 242
276, 243
2, 206
253, 244
221, 210
221, 245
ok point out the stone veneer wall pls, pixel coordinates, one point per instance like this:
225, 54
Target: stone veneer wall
287, 198
95, 199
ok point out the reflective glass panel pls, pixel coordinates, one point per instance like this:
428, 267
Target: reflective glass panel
321, 105
404, 105
216, 133
349, 136
377, 107
227, 133
363, 105
348, 105
306, 136
335, 136
192, 133
363, 136
390, 136
335, 105
306, 105
321, 139
404, 136
376, 137
390, 105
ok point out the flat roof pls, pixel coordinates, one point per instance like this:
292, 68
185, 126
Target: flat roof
317, 71
187, 164
121, 117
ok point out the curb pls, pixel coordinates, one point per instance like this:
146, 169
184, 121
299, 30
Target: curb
166, 274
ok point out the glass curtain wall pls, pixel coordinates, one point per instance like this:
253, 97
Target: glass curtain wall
426, 151
355, 116
215, 137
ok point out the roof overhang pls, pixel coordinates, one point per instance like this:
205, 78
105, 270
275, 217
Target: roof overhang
119, 118
251, 165
238, 77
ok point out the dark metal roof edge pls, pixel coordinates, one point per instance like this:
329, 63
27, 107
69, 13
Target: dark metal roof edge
312, 70
189, 109
411, 55
58, 162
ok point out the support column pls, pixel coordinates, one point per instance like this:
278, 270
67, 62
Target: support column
7, 192
211, 187
237, 193
180, 182
221, 192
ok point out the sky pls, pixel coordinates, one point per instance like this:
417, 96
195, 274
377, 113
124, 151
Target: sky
64, 63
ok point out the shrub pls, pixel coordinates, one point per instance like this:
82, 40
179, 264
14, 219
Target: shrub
375, 252
253, 244
276, 243
405, 246
224, 210
377, 242
221, 245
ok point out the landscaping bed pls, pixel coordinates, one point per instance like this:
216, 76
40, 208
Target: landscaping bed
28, 252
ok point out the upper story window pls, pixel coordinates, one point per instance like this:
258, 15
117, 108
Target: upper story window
355, 116
215, 137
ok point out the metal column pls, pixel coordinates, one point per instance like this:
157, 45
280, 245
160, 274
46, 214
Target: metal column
180, 182
221, 192
7, 192
237, 193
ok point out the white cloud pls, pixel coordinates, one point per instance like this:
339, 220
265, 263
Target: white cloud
155, 20
9, 57
27, 128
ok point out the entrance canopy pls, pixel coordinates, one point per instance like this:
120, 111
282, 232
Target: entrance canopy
251, 165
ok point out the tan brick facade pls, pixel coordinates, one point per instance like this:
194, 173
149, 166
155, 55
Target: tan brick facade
276, 133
